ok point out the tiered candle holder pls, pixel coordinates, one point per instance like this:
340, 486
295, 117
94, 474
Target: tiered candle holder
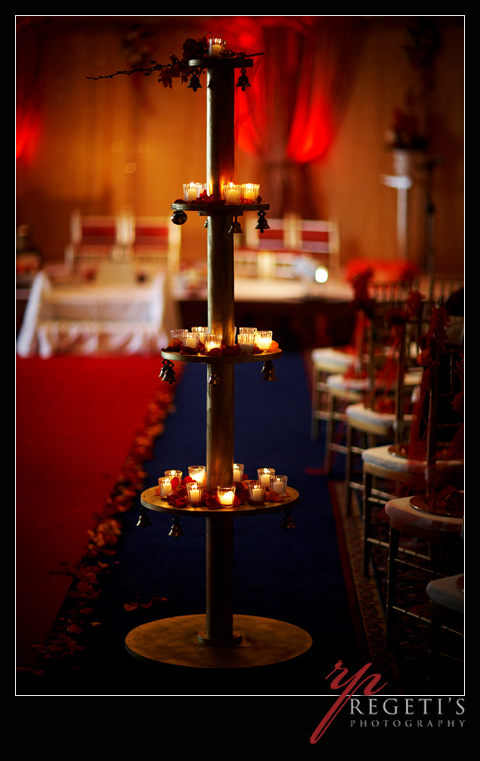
219, 639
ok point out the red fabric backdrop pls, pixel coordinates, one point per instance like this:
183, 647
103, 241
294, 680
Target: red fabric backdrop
290, 115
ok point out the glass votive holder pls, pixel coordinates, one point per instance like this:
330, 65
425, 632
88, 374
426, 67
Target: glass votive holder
165, 486
248, 331
226, 495
178, 333
190, 340
216, 46
197, 472
201, 333
237, 472
246, 342
279, 484
191, 191
264, 475
263, 339
173, 474
251, 191
194, 492
213, 341
232, 193
256, 491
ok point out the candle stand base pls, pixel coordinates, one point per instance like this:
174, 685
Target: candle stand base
178, 641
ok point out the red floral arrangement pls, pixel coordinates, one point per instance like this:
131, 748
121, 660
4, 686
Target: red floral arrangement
435, 338
404, 133
179, 68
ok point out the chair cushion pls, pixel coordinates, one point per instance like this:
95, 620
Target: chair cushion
363, 414
382, 457
402, 512
337, 381
447, 592
331, 360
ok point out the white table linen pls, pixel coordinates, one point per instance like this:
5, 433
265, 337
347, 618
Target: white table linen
97, 319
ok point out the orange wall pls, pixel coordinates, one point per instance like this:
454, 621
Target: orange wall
86, 136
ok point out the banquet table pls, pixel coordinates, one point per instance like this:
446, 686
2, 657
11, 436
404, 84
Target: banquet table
97, 317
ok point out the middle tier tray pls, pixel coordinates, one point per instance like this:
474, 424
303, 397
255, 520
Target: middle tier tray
220, 359
206, 209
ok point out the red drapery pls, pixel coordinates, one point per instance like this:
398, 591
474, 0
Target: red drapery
290, 114
29, 85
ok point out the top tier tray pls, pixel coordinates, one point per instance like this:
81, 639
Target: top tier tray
218, 62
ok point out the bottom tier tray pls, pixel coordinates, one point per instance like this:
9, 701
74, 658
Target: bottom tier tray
149, 499
261, 642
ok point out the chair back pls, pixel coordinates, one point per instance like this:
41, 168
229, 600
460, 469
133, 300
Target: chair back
124, 237
91, 238
156, 239
437, 432
441, 287
395, 293
393, 340
279, 236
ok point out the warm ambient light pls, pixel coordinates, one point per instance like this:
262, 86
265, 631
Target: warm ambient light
321, 275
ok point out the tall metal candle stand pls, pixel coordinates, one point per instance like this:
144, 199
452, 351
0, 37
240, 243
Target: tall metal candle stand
219, 639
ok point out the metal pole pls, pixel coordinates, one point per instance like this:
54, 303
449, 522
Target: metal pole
221, 319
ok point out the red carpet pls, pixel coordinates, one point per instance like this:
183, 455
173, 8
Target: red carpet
76, 420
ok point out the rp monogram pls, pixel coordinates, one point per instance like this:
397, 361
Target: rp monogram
349, 687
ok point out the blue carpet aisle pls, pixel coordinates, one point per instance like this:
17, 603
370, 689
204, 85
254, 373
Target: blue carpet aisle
295, 576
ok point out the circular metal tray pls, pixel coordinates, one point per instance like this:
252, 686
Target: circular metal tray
220, 359
149, 499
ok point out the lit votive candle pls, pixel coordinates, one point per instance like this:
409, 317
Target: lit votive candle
232, 193
216, 46
256, 491
279, 484
190, 191
251, 191
201, 333
190, 340
197, 472
178, 333
213, 341
194, 492
173, 474
263, 339
237, 472
246, 341
165, 486
226, 495
264, 475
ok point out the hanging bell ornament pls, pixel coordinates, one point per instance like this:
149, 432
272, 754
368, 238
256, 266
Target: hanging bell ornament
262, 222
214, 378
194, 83
243, 80
144, 521
236, 227
268, 371
176, 529
167, 373
179, 217
287, 522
